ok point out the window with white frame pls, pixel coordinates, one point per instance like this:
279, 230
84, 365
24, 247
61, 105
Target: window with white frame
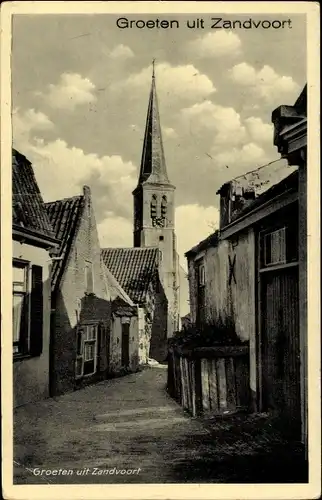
20, 307
89, 280
275, 247
86, 350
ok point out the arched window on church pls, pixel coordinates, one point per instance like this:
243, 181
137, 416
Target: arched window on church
153, 206
164, 207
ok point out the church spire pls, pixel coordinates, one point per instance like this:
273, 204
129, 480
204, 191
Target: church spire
153, 167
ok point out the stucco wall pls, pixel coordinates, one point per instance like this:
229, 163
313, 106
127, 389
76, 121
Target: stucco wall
144, 336
134, 343
115, 364
115, 345
31, 375
235, 302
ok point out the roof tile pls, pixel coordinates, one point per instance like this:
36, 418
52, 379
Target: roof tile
28, 208
65, 216
134, 269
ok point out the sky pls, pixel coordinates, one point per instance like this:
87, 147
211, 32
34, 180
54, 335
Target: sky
80, 89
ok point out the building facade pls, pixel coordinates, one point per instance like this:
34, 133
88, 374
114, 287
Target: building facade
154, 205
81, 309
137, 272
244, 279
250, 276
290, 138
124, 336
33, 239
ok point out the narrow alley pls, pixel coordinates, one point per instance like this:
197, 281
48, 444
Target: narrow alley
125, 423
128, 430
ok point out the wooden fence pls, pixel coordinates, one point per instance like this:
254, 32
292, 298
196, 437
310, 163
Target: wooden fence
209, 379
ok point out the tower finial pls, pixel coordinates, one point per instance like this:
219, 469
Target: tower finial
153, 62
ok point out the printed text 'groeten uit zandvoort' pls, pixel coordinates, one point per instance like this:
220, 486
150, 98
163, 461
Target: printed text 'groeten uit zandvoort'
200, 23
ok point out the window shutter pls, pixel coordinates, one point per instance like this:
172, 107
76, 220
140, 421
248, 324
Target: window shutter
36, 312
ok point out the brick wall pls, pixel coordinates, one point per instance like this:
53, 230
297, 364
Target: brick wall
73, 306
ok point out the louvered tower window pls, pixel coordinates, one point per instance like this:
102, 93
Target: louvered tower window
153, 207
164, 207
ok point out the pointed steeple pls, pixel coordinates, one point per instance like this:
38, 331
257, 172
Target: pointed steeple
153, 166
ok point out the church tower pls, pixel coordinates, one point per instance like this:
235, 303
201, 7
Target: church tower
154, 209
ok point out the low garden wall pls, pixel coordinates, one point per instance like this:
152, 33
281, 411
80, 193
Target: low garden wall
209, 380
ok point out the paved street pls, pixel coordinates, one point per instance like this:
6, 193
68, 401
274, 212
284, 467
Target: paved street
126, 423
128, 430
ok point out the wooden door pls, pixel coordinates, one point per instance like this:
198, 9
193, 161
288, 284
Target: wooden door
125, 344
280, 335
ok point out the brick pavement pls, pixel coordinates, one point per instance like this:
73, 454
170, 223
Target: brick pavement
128, 430
126, 424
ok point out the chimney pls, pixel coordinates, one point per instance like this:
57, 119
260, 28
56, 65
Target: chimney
87, 192
87, 198
225, 204
242, 195
233, 198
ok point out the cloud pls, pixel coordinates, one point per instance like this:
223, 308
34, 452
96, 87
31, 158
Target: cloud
121, 52
71, 91
169, 132
115, 231
265, 83
61, 171
26, 123
173, 82
228, 139
216, 44
259, 131
224, 122
193, 224
248, 156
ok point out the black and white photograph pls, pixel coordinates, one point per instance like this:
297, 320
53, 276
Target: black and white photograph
157, 249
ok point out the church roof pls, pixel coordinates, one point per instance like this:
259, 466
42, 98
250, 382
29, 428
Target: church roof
28, 208
65, 216
134, 269
153, 165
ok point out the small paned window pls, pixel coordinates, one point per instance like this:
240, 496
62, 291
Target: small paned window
275, 247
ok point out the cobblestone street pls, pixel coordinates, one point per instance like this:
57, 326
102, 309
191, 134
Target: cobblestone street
128, 430
125, 423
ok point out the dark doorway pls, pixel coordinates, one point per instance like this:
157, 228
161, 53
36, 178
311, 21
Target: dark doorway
125, 344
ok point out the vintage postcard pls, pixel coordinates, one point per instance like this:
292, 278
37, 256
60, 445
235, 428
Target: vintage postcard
160, 198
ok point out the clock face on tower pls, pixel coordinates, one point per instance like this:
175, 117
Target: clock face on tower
158, 221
